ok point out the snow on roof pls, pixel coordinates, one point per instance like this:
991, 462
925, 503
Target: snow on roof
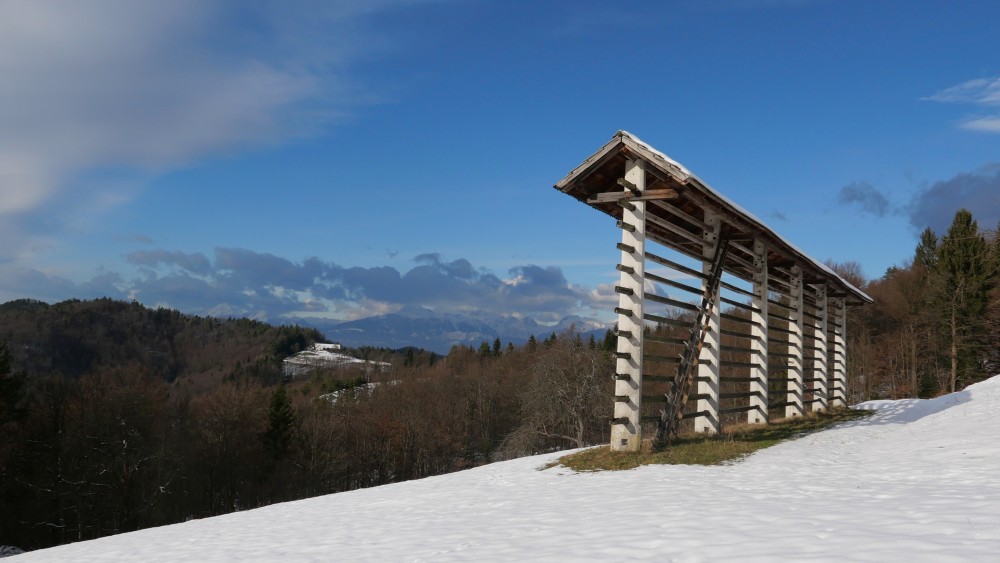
918, 480
683, 175
747, 215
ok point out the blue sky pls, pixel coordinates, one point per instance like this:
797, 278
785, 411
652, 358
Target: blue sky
344, 159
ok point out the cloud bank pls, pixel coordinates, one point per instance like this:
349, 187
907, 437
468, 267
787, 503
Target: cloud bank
935, 206
241, 282
978, 191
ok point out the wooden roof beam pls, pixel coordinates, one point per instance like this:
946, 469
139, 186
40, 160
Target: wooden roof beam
648, 195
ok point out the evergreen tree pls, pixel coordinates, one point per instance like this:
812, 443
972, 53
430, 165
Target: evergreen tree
550, 340
610, 340
281, 424
497, 348
927, 250
532, 343
963, 266
484, 351
12, 409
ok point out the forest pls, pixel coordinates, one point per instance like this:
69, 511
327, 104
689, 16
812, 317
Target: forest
117, 417
935, 324
146, 417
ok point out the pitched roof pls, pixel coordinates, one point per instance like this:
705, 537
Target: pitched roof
684, 211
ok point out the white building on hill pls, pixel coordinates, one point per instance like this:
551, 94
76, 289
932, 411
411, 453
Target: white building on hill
321, 356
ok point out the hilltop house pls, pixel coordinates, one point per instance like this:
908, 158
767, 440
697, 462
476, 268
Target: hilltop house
322, 356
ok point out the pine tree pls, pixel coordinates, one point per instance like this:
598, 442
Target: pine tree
281, 424
927, 250
963, 264
610, 340
497, 348
11, 389
532, 343
484, 351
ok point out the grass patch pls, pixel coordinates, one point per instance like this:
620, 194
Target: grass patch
697, 449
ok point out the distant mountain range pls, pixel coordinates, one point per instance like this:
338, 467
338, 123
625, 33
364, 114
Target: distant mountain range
423, 328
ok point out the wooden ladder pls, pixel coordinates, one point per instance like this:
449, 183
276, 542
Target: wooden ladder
676, 399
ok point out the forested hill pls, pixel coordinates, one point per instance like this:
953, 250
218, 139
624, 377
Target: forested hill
76, 337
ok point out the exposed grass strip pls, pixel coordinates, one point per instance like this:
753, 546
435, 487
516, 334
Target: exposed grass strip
696, 449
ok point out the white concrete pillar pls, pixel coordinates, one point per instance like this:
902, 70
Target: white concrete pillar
795, 362
708, 361
626, 430
819, 373
838, 354
758, 341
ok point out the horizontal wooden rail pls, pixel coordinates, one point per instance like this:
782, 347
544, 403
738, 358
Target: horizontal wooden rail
679, 267
672, 283
666, 340
737, 334
672, 302
683, 215
731, 364
734, 379
783, 318
666, 320
661, 358
677, 230
740, 304
742, 395
736, 289
738, 319
812, 316
738, 409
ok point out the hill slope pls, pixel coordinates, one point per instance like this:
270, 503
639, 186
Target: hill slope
918, 480
76, 337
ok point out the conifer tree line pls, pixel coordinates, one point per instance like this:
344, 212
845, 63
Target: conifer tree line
935, 324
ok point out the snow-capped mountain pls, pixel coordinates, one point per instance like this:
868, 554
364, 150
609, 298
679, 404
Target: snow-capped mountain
438, 332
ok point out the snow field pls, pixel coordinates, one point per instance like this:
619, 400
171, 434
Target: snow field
917, 481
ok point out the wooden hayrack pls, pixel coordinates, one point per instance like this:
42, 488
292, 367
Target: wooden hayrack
709, 296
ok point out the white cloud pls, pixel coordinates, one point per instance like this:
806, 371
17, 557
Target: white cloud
145, 86
987, 124
983, 92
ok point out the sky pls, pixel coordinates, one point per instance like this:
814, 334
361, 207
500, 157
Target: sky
342, 159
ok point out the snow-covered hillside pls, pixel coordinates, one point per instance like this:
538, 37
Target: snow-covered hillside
920, 480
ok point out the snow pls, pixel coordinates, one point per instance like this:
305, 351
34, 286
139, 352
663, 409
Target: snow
322, 356
917, 481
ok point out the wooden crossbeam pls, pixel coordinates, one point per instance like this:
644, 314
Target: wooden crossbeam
648, 195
